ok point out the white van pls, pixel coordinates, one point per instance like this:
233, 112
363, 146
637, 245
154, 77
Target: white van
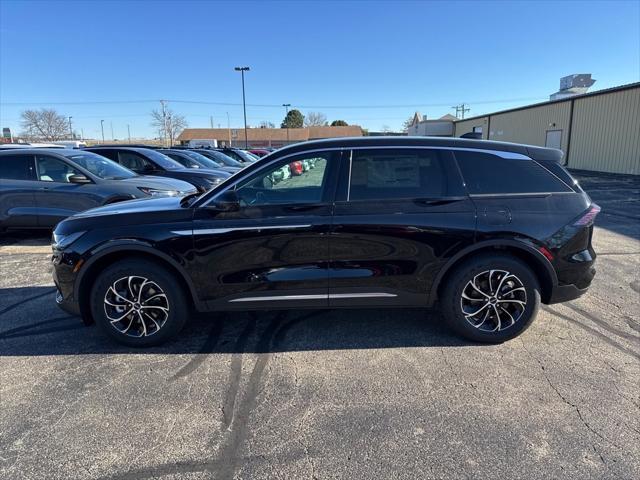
199, 143
71, 143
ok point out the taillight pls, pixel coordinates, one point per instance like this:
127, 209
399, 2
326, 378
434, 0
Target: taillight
589, 217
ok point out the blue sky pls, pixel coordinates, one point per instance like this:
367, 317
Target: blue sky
369, 63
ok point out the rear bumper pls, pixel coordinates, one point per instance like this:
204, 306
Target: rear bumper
564, 293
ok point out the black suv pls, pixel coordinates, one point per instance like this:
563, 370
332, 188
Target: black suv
487, 230
147, 161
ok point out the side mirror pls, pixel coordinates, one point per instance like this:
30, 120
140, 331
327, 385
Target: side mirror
79, 178
228, 201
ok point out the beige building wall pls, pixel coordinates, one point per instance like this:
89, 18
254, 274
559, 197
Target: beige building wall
530, 126
466, 126
605, 135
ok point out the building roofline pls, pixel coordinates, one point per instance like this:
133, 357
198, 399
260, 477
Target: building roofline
627, 86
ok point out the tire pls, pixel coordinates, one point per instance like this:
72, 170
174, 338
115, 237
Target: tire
482, 314
162, 306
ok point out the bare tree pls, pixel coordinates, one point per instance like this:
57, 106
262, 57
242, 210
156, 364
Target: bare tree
168, 123
385, 129
44, 124
407, 123
267, 124
315, 119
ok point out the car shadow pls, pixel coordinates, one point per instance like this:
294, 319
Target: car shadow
32, 325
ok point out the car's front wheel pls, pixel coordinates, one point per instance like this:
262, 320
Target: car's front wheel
138, 303
491, 298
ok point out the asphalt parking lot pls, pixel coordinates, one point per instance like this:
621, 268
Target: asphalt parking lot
328, 394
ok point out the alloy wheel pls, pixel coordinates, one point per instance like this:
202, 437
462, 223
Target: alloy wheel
136, 306
493, 300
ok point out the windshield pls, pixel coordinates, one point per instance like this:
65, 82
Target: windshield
162, 160
100, 166
221, 158
182, 159
203, 161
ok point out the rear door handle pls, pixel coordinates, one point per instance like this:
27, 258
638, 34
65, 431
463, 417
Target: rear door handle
433, 202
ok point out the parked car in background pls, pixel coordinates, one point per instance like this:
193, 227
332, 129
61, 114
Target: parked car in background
146, 161
192, 159
237, 154
70, 143
9, 146
259, 152
379, 222
40, 187
220, 157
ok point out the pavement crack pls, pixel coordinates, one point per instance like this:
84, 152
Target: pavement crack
565, 400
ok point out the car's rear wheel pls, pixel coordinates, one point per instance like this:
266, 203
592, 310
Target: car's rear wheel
138, 303
491, 298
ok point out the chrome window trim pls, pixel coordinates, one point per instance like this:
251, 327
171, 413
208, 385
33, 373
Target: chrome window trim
525, 194
234, 183
214, 231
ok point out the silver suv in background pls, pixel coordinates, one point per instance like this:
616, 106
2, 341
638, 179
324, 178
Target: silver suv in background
40, 187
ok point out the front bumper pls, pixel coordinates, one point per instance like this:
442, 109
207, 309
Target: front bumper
64, 280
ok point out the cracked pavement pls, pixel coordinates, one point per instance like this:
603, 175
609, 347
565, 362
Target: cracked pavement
328, 394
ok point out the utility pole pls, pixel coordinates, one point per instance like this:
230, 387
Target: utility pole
461, 110
82, 134
129, 133
164, 122
229, 128
112, 137
244, 105
70, 129
286, 107
211, 120
102, 128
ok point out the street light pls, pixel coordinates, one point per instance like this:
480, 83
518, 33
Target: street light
129, 133
102, 128
244, 105
70, 129
286, 106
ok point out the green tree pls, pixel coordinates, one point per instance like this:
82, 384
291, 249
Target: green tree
339, 123
294, 119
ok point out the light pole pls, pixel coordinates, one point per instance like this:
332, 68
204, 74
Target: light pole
70, 129
244, 105
129, 133
286, 107
102, 128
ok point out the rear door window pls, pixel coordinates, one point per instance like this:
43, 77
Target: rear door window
16, 167
487, 174
403, 174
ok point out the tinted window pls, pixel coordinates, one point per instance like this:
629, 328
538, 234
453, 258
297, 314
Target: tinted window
183, 160
51, 169
16, 167
135, 162
100, 166
299, 180
402, 173
162, 160
489, 174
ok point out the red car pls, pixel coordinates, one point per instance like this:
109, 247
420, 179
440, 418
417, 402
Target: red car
260, 152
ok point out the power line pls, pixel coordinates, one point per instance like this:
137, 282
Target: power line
204, 102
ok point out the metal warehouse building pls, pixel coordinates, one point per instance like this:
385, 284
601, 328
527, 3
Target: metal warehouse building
597, 131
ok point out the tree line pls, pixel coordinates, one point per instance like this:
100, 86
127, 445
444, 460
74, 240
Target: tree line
50, 125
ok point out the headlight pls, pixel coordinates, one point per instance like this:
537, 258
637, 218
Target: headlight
154, 192
60, 242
